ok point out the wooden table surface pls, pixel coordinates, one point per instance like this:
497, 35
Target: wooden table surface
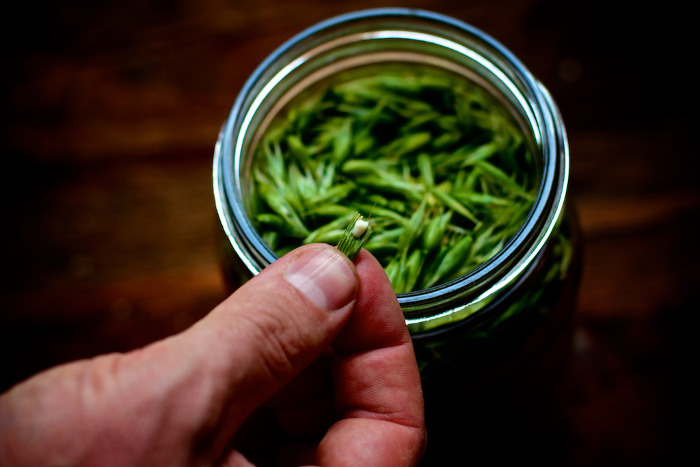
110, 112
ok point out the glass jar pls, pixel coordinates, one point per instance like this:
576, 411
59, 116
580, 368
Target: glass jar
481, 339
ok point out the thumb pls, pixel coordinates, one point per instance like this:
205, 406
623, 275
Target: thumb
274, 326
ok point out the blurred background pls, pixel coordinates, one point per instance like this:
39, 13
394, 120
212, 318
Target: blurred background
110, 111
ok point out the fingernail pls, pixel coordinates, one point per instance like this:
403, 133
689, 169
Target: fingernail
324, 276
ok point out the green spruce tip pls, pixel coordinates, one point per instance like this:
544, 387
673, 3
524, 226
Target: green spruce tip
351, 245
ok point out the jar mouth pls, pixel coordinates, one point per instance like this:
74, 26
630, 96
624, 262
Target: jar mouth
449, 43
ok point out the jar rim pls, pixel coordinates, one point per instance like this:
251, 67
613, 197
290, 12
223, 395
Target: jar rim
477, 285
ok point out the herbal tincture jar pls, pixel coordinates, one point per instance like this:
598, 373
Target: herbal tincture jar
460, 132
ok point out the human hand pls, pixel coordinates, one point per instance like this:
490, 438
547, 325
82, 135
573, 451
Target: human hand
310, 362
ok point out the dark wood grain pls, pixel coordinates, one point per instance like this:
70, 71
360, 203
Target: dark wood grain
110, 112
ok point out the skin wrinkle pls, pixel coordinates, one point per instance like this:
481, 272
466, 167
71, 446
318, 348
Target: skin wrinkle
375, 406
247, 385
277, 361
98, 385
49, 408
184, 394
195, 401
170, 370
356, 439
66, 385
112, 383
257, 324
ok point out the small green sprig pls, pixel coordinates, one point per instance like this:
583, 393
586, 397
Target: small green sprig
355, 236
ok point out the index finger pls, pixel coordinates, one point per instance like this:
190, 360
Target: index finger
378, 396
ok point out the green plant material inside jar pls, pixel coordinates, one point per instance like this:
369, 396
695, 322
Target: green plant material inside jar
439, 164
